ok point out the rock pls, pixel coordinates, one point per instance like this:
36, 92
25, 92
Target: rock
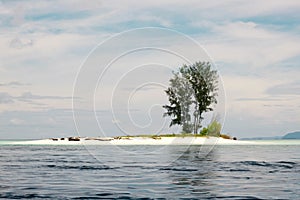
74, 139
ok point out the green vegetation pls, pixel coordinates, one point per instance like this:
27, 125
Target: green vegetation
204, 132
161, 135
214, 128
195, 85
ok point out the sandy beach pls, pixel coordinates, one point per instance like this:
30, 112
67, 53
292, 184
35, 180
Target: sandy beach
139, 141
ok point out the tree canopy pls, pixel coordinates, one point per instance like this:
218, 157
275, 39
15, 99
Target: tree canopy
192, 92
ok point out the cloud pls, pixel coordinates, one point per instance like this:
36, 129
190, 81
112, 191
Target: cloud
63, 16
36, 124
20, 43
47, 40
260, 99
116, 121
28, 97
14, 83
143, 88
251, 45
16, 121
5, 98
285, 89
276, 105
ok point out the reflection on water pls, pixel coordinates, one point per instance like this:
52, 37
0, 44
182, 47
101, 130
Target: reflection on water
192, 171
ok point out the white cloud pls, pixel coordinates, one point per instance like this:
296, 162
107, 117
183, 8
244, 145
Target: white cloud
251, 45
16, 121
5, 98
292, 88
29, 102
20, 43
13, 84
116, 121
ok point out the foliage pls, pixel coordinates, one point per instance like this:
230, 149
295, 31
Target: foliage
174, 109
204, 131
195, 85
214, 128
180, 96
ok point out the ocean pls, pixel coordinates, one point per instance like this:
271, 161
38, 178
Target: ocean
149, 172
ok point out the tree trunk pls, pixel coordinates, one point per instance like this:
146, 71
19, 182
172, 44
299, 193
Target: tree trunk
196, 121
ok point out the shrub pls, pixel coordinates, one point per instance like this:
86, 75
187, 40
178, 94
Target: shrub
214, 128
204, 132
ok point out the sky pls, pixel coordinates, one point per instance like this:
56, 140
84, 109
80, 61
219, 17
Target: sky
46, 46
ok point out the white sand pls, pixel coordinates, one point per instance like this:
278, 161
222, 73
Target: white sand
142, 141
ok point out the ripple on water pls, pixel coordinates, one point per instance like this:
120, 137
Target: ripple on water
226, 173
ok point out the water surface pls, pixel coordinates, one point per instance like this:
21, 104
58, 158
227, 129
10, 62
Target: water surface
227, 172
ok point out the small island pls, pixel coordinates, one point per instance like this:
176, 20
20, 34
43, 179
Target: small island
164, 139
293, 135
192, 92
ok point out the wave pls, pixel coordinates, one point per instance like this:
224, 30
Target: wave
84, 167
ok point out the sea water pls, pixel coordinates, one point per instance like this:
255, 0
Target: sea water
102, 172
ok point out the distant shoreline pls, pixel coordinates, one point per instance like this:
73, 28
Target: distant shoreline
289, 136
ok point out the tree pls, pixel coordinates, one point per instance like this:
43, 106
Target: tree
180, 98
196, 85
174, 109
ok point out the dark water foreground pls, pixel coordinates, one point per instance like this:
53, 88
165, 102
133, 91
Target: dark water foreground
227, 172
